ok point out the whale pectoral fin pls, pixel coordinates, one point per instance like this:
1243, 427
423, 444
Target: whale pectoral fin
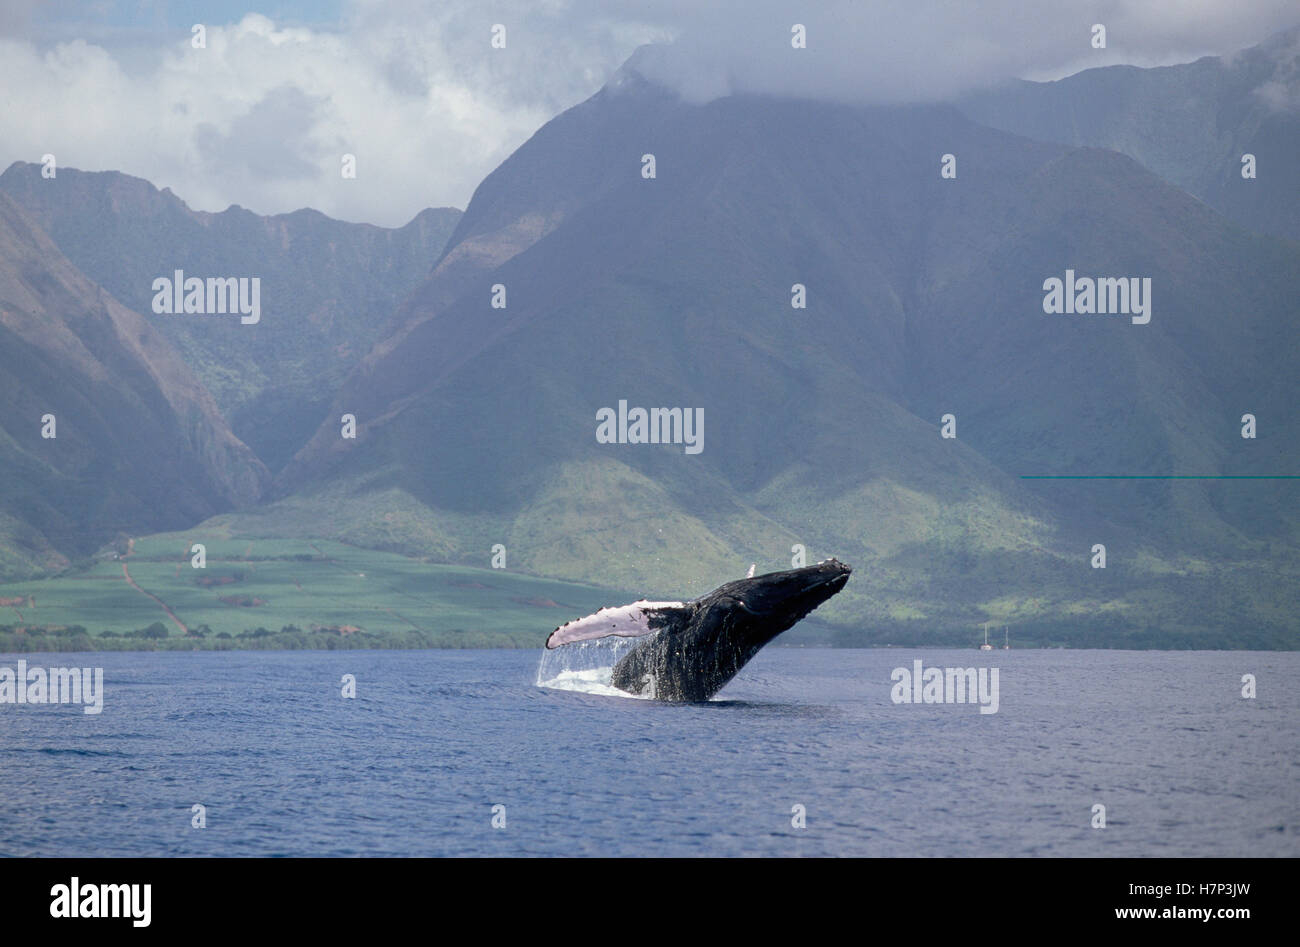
625, 621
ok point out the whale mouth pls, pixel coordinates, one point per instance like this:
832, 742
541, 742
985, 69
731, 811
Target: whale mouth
830, 585
839, 578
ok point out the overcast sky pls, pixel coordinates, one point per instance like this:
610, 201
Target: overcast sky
413, 88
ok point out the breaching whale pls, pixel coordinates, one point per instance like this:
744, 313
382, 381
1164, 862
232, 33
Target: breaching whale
693, 648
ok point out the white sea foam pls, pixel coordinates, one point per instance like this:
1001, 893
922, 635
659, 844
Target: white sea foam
585, 666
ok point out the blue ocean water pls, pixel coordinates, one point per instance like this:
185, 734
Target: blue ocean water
435, 739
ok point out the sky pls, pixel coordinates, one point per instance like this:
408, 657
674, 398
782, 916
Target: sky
262, 115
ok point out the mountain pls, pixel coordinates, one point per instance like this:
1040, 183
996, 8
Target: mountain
1190, 124
327, 287
925, 297
138, 442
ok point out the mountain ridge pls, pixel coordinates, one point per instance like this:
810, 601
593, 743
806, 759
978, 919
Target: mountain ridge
327, 287
137, 441
1190, 123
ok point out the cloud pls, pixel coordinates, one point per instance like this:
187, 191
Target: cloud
16, 16
272, 141
263, 115
413, 88
908, 51
1280, 92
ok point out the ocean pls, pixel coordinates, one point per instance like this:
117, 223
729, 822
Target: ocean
805, 753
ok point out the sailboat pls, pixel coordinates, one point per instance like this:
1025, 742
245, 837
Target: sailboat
1006, 641
986, 646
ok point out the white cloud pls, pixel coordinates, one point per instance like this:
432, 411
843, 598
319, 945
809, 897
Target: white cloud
262, 116
890, 51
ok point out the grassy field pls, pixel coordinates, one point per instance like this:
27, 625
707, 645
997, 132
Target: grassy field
286, 593
332, 594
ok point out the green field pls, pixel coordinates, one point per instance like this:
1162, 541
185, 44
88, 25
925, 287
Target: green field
334, 595
276, 593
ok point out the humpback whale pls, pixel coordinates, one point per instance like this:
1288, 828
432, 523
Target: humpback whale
691, 649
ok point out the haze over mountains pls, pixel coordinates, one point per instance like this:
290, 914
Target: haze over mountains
477, 425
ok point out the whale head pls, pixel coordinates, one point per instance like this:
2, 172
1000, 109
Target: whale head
764, 606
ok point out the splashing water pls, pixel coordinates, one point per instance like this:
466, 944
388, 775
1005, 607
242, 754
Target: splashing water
586, 666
